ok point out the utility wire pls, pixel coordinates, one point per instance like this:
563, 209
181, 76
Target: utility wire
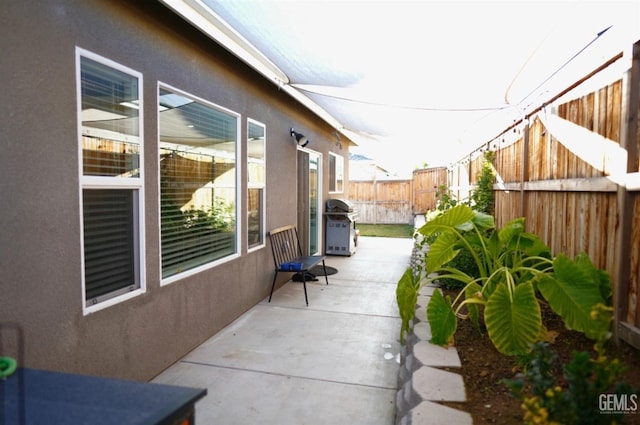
416, 108
479, 109
564, 64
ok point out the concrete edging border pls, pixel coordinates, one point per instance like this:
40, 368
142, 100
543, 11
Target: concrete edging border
422, 382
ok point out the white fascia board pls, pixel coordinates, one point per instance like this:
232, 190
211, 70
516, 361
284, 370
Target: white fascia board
207, 21
312, 106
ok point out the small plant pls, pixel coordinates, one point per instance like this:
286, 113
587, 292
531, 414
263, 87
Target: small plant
407, 297
482, 197
514, 267
465, 263
570, 397
444, 198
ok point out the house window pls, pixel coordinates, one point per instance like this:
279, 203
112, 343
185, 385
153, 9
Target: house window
336, 173
198, 180
110, 108
256, 183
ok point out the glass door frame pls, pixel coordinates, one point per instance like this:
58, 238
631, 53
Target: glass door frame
313, 225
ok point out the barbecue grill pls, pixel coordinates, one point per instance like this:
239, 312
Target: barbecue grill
341, 235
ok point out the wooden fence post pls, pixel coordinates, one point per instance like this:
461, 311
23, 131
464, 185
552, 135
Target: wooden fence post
629, 141
524, 175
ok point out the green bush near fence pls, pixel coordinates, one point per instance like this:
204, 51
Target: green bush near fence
386, 230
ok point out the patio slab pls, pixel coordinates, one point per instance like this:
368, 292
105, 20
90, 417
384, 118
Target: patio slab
294, 342
334, 362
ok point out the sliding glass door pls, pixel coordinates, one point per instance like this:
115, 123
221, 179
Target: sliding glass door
310, 200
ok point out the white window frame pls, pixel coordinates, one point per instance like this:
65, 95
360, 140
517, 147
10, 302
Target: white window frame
136, 184
338, 160
319, 201
263, 186
238, 188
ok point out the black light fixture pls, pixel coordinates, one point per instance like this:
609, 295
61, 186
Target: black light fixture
301, 139
338, 139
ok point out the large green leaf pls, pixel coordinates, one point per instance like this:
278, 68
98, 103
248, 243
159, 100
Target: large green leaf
441, 251
406, 297
598, 275
449, 220
532, 245
442, 319
492, 251
513, 320
572, 292
483, 221
511, 230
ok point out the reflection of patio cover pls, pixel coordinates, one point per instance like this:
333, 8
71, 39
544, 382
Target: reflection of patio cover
181, 177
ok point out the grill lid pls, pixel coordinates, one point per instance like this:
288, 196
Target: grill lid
339, 205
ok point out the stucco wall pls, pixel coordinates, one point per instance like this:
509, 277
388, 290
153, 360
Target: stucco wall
40, 245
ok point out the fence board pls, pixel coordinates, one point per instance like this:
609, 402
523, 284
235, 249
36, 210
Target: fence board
382, 201
425, 188
567, 194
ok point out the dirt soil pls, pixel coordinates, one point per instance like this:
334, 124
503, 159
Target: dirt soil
483, 368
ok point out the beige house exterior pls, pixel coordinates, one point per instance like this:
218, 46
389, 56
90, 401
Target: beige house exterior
132, 139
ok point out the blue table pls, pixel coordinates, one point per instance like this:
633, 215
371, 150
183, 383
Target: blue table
39, 397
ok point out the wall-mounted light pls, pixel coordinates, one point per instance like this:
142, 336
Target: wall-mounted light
301, 139
338, 139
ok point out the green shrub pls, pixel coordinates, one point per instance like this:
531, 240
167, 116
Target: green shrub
572, 396
482, 197
516, 273
465, 263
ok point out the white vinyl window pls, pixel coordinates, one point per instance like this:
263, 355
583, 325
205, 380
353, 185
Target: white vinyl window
336, 173
109, 110
198, 180
256, 175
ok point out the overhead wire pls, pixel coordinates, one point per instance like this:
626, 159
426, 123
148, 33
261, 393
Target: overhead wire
470, 109
554, 73
395, 105
520, 108
524, 65
490, 110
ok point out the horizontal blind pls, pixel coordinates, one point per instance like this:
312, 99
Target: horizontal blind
110, 115
197, 226
197, 182
108, 242
103, 157
255, 208
256, 176
110, 98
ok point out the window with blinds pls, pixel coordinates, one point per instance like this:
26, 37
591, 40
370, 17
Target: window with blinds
109, 114
108, 242
198, 180
256, 176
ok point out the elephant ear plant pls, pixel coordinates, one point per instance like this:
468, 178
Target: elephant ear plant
516, 273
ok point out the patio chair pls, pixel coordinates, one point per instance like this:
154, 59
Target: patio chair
288, 258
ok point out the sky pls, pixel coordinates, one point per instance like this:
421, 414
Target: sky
427, 81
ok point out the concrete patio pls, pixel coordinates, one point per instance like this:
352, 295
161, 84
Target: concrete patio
334, 362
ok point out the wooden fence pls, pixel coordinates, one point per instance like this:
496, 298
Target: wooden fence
570, 167
425, 188
382, 201
396, 201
